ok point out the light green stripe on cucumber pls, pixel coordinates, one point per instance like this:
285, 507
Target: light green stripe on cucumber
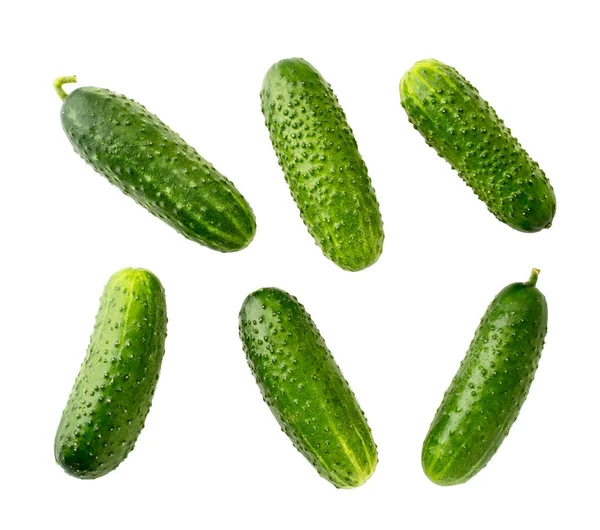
305, 389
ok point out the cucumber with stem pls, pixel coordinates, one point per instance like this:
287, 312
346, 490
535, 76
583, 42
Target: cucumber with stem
153, 165
487, 392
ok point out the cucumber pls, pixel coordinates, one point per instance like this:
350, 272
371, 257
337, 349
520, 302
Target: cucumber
305, 389
321, 163
113, 391
150, 163
453, 118
487, 392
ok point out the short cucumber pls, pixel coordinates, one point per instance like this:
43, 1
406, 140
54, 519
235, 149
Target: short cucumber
113, 391
321, 163
490, 386
149, 162
305, 389
449, 112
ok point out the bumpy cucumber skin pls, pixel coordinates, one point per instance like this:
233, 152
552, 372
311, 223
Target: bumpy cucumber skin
453, 118
305, 389
152, 164
113, 391
321, 163
487, 392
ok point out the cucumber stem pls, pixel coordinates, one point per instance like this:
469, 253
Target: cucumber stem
60, 81
533, 278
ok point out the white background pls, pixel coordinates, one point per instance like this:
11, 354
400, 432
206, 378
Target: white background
212, 455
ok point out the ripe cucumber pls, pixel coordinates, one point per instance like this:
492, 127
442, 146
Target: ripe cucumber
449, 112
149, 162
321, 163
113, 391
487, 392
305, 389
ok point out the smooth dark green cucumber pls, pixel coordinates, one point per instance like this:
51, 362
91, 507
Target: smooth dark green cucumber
487, 392
113, 391
321, 163
305, 389
453, 118
150, 163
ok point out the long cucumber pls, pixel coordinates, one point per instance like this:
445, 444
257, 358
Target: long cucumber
150, 163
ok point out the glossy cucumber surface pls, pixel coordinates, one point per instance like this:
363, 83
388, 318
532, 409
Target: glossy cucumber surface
113, 392
464, 129
150, 163
305, 389
487, 392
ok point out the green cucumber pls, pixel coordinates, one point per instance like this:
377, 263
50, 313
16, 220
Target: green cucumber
487, 392
113, 391
150, 163
305, 389
453, 118
321, 163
